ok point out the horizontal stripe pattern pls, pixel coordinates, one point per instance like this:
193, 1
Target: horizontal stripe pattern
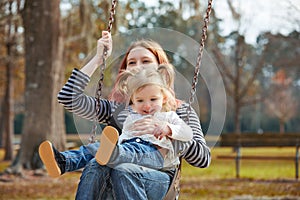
72, 96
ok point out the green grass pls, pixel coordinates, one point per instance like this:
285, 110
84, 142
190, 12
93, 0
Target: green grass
259, 178
252, 169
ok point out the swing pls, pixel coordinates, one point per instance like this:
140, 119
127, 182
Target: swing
173, 192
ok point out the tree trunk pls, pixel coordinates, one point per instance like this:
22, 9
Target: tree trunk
1, 123
9, 114
44, 117
87, 30
9, 107
237, 118
281, 126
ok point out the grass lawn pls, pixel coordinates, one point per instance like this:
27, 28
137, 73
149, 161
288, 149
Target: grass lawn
263, 180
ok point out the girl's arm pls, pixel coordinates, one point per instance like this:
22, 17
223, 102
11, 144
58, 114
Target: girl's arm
164, 124
179, 130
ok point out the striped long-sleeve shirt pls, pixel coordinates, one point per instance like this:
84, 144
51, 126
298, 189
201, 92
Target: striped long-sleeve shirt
72, 96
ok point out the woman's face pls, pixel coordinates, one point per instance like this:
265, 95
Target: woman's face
140, 56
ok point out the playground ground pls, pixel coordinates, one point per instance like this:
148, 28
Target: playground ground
259, 180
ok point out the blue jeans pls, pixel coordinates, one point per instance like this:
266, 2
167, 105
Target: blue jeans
77, 159
126, 181
132, 182
139, 152
132, 151
103, 182
95, 182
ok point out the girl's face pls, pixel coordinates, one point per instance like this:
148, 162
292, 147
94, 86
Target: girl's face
148, 100
140, 56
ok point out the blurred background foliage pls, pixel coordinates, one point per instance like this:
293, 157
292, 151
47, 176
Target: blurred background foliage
250, 71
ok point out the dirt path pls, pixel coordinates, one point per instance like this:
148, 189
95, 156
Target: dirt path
36, 185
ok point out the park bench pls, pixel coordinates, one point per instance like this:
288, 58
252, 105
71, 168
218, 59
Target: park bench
238, 141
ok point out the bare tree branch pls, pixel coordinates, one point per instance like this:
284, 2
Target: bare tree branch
222, 64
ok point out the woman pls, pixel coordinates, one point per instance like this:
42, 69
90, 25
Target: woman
147, 184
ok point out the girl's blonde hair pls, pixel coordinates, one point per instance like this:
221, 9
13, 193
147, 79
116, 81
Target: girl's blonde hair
150, 45
131, 81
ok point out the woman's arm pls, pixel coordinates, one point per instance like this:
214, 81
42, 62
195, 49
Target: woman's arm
96, 61
72, 94
74, 100
198, 153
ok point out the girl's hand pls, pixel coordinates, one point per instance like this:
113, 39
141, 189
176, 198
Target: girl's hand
104, 41
150, 125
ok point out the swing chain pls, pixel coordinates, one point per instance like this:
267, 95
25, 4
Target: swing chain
112, 13
199, 58
98, 97
102, 68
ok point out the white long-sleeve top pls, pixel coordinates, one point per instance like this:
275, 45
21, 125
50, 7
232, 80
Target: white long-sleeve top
181, 132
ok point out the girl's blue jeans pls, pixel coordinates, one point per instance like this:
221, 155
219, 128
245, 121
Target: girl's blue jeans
122, 181
139, 152
77, 159
135, 151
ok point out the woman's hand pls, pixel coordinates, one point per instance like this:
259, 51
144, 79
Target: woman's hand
150, 125
104, 41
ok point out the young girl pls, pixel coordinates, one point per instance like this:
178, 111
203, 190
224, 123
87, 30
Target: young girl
149, 94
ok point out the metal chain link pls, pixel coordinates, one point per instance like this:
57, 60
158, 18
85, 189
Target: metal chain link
196, 72
112, 14
199, 58
102, 68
